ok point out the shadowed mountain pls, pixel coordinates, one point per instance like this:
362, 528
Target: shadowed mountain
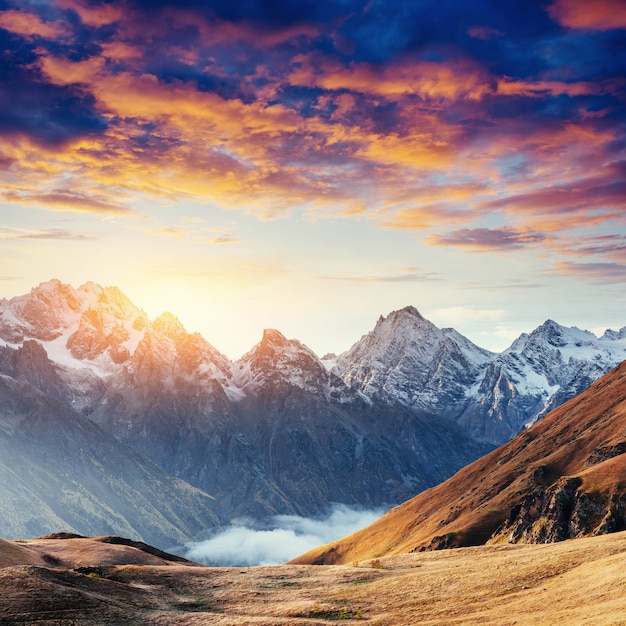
285, 435
274, 432
58, 471
564, 477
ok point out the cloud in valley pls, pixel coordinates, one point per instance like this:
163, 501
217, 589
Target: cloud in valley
280, 538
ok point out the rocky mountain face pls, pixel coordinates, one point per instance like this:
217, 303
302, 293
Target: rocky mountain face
278, 431
407, 359
564, 477
279, 434
274, 432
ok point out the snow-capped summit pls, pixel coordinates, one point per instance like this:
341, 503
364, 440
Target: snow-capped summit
95, 334
43, 314
276, 359
407, 358
539, 371
90, 327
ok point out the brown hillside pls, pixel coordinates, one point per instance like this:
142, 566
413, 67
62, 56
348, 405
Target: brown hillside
14, 553
65, 550
564, 477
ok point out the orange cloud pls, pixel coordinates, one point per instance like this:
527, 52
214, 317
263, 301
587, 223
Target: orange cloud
583, 14
66, 200
429, 80
580, 204
172, 140
508, 87
99, 14
61, 71
30, 25
223, 148
424, 217
120, 51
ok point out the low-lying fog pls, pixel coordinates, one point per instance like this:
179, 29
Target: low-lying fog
279, 538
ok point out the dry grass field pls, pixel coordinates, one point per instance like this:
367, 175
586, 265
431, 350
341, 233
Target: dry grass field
581, 581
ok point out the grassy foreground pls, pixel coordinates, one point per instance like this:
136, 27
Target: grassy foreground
581, 581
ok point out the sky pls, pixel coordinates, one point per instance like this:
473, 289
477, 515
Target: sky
308, 165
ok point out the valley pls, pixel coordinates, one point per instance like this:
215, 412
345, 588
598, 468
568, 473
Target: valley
135, 432
563, 478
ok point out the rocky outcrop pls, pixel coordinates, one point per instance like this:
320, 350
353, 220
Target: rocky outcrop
563, 511
604, 453
31, 364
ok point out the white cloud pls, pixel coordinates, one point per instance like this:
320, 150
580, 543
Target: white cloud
279, 539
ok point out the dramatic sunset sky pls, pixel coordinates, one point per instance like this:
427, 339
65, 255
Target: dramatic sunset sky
307, 165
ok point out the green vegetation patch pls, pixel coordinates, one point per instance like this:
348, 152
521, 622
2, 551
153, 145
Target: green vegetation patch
363, 581
334, 614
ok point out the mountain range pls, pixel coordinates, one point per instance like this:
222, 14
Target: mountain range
279, 430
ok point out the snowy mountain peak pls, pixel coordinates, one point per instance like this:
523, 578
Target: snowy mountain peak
272, 337
408, 359
408, 311
44, 312
169, 325
551, 332
96, 338
408, 315
612, 335
278, 359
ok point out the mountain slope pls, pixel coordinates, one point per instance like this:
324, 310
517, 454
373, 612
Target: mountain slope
408, 359
564, 477
59, 471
